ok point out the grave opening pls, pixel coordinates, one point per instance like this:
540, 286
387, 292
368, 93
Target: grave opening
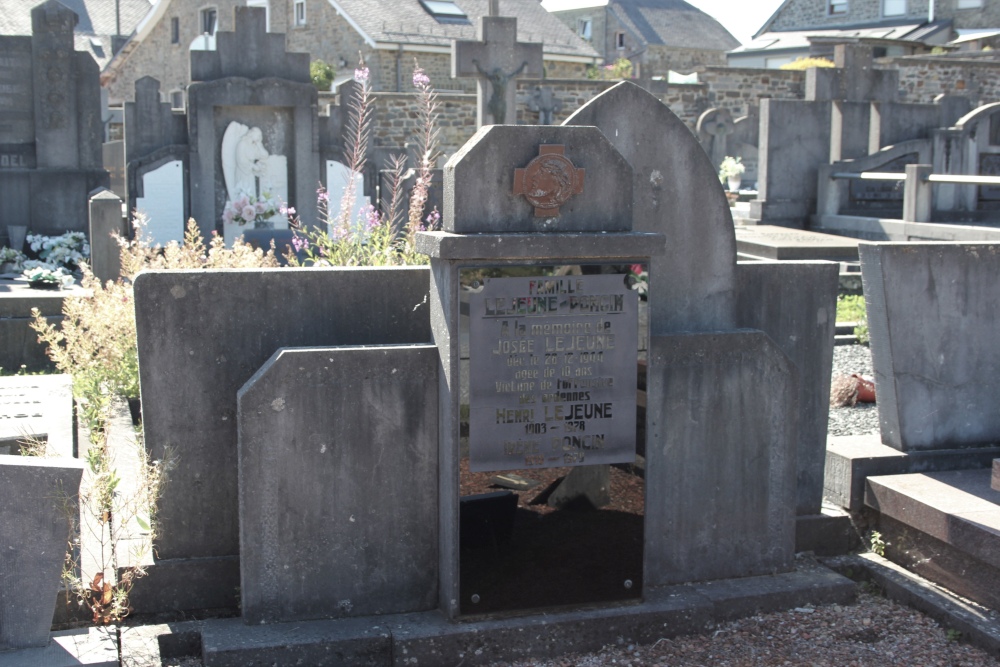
551, 477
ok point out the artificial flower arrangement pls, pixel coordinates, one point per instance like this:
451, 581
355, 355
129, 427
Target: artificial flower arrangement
731, 167
253, 210
66, 250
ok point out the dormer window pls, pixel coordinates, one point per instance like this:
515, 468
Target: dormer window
836, 7
585, 28
444, 11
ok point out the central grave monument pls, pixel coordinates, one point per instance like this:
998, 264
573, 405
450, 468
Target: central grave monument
345, 444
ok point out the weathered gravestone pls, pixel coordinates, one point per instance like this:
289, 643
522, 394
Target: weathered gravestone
249, 135
357, 473
932, 314
201, 336
50, 126
34, 524
694, 286
487, 223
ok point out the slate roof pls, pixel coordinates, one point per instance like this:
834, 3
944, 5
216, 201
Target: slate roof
672, 23
406, 22
95, 27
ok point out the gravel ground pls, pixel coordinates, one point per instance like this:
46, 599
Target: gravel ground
874, 631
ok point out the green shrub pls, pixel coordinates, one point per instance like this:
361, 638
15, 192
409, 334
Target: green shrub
321, 74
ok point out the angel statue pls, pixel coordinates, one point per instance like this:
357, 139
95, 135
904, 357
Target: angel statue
244, 160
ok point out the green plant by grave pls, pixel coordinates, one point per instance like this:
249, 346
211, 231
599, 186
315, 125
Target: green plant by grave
321, 74
376, 238
851, 308
876, 543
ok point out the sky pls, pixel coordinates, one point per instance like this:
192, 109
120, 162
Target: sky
741, 17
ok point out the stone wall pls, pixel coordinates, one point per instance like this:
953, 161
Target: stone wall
397, 119
922, 79
737, 89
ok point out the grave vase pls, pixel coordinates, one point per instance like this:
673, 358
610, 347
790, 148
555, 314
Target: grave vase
734, 183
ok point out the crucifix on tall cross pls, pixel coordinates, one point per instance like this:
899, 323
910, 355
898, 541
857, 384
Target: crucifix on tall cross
495, 59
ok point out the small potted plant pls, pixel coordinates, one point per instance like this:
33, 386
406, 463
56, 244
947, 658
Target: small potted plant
11, 261
42, 277
731, 172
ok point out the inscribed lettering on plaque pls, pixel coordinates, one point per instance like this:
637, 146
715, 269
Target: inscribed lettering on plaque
552, 372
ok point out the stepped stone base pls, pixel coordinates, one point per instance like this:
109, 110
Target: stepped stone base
943, 526
852, 459
428, 638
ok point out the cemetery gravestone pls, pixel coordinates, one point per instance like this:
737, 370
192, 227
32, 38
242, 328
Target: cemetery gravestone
355, 476
33, 529
201, 336
50, 126
246, 146
520, 196
932, 392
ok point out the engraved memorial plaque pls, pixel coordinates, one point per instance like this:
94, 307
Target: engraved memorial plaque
552, 372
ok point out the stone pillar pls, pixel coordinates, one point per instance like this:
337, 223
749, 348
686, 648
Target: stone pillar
106, 219
917, 194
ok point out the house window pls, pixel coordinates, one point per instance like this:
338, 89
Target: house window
175, 30
208, 22
970, 4
893, 7
620, 40
177, 100
837, 7
300, 12
585, 28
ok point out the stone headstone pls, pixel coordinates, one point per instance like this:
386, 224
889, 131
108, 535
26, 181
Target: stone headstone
50, 119
795, 303
521, 195
348, 437
162, 202
212, 330
932, 316
107, 226
676, 191
721, 493
470, 208
338, 176
496, 58
714, 128
34, 525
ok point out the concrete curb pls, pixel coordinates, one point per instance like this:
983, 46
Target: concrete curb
978, 625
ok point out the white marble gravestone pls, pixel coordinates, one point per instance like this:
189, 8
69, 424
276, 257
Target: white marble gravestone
338, 175
249, 169
163, 202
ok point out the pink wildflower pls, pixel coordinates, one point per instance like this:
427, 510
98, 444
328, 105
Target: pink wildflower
361, 74
420, 79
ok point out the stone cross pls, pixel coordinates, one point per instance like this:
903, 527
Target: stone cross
495, 59
714, 127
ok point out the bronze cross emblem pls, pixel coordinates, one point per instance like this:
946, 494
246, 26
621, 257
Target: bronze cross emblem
549, 180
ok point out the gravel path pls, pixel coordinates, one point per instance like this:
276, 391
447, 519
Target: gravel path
873, 632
